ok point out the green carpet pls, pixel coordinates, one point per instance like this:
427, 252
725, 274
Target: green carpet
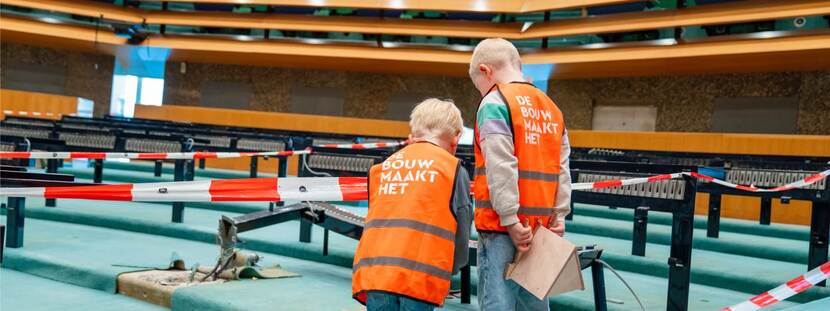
21, 291
818, 305
66, 247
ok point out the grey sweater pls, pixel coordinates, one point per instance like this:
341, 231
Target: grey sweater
462, 208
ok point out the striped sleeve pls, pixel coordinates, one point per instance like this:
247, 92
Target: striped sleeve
493, 117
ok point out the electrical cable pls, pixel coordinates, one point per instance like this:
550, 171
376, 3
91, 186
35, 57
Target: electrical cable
624, 283
305, 164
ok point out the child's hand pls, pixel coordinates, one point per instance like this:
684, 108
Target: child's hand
521, 235
558, 227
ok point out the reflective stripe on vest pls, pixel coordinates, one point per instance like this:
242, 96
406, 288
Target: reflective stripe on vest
526, 210
404, 263
416, 225
408, 243
524, 174
538, 127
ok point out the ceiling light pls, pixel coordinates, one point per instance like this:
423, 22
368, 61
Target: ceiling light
480, 6
397, 4
50, 20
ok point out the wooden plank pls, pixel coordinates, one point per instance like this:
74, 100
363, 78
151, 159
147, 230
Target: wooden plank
156, 286
749, 208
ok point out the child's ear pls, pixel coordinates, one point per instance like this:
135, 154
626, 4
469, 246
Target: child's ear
484, 69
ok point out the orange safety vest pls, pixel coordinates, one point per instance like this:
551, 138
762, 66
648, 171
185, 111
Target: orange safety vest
408, 243
537, 137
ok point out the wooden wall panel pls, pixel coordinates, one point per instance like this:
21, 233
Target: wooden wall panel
36, 105
275, 120
742, 207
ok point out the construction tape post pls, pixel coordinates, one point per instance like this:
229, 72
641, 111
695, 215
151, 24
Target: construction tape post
299, 188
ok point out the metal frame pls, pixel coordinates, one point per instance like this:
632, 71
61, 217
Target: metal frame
715, 191
682, 210
376, 155
819, 220
11, 176
2, 241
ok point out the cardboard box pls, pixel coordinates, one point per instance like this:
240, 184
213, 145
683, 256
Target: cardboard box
550, 267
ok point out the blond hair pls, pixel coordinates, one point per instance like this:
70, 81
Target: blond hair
436, 119
496, 53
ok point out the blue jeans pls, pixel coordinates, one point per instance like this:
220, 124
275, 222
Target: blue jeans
380, 301
495, 251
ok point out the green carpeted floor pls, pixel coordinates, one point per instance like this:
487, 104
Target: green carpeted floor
93, 257
818, 305
21, 291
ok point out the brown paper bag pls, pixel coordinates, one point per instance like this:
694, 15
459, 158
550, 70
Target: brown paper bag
550, 267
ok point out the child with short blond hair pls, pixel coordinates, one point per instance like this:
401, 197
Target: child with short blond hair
418, 225
522, 177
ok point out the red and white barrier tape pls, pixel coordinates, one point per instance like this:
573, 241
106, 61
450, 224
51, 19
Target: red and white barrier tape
622, 182
794, 185
247, 189
144, 155
363, 146
784, 291
304, 188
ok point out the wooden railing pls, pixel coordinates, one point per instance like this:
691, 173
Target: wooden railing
36, 105
275, 120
